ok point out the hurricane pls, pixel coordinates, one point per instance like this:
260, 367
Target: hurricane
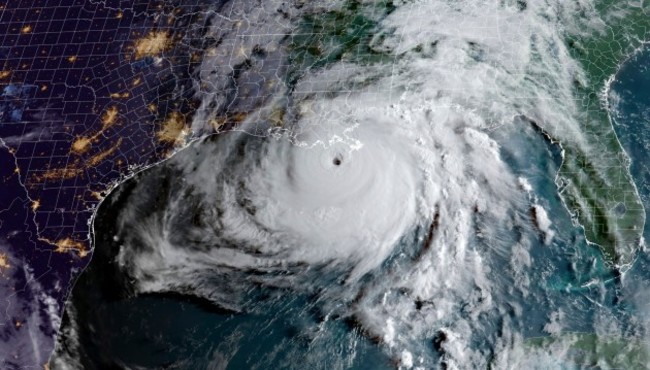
420, 196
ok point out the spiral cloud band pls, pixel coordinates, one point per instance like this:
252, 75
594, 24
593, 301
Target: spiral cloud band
384, 191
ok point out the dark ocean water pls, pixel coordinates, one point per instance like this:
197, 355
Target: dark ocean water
631, 116
290, 331
630, 99
280, 330
117, 329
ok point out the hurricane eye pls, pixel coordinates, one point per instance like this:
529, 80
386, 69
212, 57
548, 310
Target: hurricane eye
337, 160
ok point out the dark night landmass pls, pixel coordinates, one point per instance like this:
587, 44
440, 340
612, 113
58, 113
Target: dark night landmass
92, 91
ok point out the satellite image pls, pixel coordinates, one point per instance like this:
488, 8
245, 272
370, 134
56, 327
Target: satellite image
324, 184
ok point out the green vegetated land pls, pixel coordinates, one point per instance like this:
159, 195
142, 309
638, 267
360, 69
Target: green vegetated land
338, 35
594, 181
590, 350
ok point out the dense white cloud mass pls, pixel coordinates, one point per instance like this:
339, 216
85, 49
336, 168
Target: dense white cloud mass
394, 188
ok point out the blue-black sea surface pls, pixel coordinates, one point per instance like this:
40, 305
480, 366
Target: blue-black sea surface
630, 101
116, 328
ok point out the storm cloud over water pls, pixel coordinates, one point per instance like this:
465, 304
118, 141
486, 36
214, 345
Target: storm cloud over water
395, 194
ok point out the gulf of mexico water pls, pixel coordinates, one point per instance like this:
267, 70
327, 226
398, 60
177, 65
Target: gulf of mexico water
569, 289
106, 326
